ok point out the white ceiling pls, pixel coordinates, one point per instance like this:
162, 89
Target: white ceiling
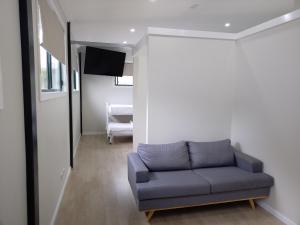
110, 20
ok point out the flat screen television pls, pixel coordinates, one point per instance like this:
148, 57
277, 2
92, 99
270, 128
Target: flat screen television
104, 62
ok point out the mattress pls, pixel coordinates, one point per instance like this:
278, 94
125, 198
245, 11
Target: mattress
119, 127
115, 109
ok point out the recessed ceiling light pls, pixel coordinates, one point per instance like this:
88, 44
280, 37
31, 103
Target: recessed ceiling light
124, 42
152, 0
287, 17
227, 25
132, 30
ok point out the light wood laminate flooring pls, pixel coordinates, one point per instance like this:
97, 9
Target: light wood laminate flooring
98, 193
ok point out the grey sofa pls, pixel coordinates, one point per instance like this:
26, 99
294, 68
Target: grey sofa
186, 174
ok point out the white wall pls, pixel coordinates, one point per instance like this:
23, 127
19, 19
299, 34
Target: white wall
96, 91
75, 103
190, 84
140, 95
53, 143
1, 86
266, 114
53, 146
76, 120
12, 143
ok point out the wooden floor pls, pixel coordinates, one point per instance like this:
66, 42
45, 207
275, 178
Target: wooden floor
98, 193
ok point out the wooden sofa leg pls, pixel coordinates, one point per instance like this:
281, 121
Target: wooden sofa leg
149, 214
252, 203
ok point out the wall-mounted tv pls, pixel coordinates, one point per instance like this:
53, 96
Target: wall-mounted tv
104, 62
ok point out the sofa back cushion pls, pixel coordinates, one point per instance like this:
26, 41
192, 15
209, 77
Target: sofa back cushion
211, 154
165, 157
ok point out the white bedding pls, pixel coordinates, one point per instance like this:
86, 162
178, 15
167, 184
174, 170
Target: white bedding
115, 109
115, 127
119, 127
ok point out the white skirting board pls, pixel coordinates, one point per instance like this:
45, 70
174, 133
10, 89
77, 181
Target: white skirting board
275, 213
61, 195
63, 188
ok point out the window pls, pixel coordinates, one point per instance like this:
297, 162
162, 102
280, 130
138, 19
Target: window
124, 81
63, 76
52, 72
53, 75
44, 68
75, 80
56, 75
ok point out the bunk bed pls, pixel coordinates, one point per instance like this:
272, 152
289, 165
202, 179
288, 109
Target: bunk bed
115, 124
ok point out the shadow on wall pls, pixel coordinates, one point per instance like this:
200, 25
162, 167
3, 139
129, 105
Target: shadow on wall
265, 106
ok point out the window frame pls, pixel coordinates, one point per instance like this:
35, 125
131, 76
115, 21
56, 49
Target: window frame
45, 93
50, 88
122, 85
75, 81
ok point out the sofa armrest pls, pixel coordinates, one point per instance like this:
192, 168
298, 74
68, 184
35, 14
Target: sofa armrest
247, 162
137, 171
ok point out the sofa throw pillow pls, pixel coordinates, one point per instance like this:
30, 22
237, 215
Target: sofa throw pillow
165, 157
211, 154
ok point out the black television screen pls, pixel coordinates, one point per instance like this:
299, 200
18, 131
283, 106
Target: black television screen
104, 62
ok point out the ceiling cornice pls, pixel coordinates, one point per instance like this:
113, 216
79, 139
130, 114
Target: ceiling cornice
157, 31
289, 17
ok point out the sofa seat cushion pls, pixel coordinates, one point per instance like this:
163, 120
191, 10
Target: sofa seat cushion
165, 157
225, 179
168, 184
211, 154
